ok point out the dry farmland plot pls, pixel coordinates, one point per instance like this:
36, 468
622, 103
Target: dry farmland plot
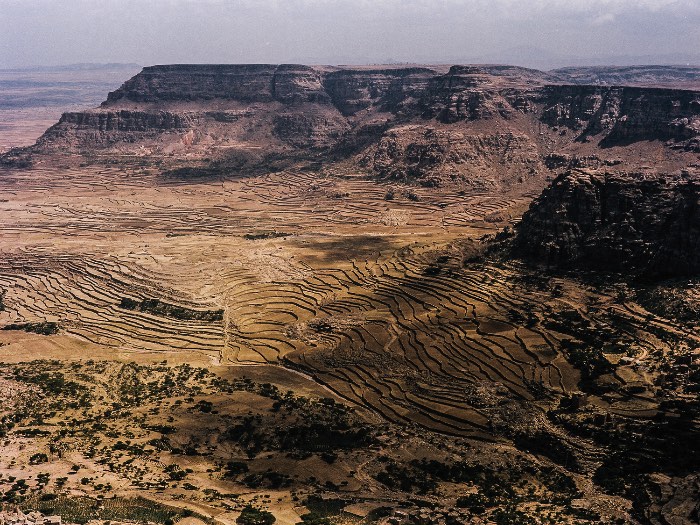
320, 311
310, 272
321, 286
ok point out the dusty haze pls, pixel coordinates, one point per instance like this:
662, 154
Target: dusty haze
538, 33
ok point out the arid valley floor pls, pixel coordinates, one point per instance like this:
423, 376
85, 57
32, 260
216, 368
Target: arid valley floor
319, 292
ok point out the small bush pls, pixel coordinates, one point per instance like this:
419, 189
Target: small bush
252, 516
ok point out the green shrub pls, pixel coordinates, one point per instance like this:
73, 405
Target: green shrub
252, 516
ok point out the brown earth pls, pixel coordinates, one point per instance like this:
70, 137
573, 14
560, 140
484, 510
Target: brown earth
331, 231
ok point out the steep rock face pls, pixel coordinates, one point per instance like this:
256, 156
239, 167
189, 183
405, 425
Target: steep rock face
611, 115
297, 84
464, 93
623, 114
352, 91
245, 83
491, 126
615, 222
101, 128
309, 128
125, 120
434, 156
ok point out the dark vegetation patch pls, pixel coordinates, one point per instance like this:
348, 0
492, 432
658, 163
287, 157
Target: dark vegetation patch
550, 446
497, 485
234, 469
233, 164
321, 426
336, 248
78, 509
252, 516
193, 173
268, 479
321, 325
673, 301
254, 236
100, 400
323, 510
585, 350
633, 450
43, 328
163, 309
50, 382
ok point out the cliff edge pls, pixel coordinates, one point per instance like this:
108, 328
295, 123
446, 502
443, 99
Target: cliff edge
615, 222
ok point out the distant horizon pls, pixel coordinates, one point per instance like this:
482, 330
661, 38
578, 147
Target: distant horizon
539, 34
125, 65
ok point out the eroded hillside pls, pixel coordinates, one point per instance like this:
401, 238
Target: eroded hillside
298, 288
483, 127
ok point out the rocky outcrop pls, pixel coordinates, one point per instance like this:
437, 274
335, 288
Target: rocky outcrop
18, 517
464, 93
309, 128
352, 91
615, 222
561, 160
488, 126
622, 115
100, 128
630, 75
612, 115
125, 120
244, 83
435, 156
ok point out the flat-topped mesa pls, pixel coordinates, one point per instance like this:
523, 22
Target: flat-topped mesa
350, 89
244, 83
615, 222
488, 126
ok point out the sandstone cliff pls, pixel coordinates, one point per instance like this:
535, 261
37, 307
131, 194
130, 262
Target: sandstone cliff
615, 222
487, 127
99, 128
247, 83
622, 115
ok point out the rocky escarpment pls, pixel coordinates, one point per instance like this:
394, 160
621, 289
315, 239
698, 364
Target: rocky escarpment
385, 90
246, 82
100, 128
125, 120
464, 93
622, 115
432, 156
489, 127
615, 222
688, 76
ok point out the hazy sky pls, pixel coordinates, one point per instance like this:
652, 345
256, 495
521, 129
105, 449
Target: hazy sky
50, 32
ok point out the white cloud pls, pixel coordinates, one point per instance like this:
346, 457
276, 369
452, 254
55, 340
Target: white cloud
603, 19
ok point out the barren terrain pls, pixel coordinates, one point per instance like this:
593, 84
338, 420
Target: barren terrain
206, 306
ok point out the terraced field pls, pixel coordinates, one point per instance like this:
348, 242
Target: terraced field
325, 275
233, 289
